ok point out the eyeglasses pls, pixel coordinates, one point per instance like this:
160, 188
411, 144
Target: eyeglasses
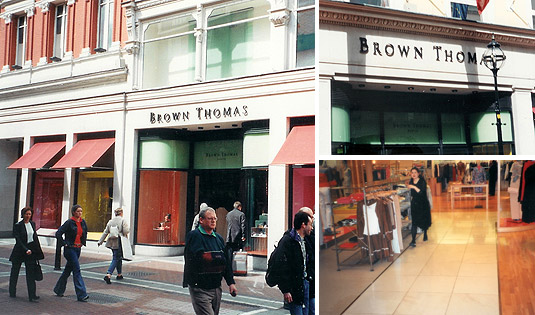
211, 219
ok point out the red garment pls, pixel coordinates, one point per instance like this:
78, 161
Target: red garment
523, 182
324, 181
79, 231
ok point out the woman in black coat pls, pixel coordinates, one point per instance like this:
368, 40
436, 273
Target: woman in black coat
420, 209
28, 250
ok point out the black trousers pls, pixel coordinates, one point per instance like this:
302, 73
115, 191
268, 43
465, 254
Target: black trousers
30, 280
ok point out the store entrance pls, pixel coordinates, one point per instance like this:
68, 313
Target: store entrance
219, 189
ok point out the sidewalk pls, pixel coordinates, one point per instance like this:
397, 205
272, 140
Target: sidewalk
152, 285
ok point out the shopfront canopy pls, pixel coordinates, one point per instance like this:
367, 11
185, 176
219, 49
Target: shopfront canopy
85, 153
299, 147
38, 155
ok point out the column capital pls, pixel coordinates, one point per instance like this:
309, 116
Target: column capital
6, 17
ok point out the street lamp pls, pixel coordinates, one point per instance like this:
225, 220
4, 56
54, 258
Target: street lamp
494, 58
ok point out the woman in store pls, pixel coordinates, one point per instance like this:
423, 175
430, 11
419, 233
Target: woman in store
114, 243
75, 230
420, 209
28, 250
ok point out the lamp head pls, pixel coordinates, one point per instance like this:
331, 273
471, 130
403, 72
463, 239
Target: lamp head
493, 57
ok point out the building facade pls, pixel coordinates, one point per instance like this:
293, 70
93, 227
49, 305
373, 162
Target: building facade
156, 107
409, 78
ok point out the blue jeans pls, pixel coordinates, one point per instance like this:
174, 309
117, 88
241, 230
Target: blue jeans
301, 309
116, 261
72, 254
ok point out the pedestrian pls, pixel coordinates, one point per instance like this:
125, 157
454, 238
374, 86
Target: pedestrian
28, 250
206, 263
294, 282
420, 209
114, 229
310, 246
196, 219
75, 230
235, 230
493, 177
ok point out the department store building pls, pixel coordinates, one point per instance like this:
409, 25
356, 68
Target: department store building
397, 82
167, 105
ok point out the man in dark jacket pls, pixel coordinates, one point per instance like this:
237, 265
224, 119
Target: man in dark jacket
294, 283
235, 230
206, 263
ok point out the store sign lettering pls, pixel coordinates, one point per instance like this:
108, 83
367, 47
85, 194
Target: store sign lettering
200, 113
441, 54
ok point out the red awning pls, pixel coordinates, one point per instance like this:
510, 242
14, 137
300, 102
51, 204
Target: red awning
38, 155
85, 153
299, 147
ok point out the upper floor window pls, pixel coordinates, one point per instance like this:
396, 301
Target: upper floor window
105, 24
232, 40
21, 41
464, 10
169, 52
305, 33
237, 42
533, 13
60, 30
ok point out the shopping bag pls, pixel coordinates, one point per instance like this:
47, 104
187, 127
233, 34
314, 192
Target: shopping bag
127, 249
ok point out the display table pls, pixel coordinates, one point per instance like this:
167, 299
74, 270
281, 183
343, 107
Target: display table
459, 191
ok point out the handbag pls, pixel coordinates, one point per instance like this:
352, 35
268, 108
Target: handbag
37, 271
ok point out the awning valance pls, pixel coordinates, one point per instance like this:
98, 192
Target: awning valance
298, 148
85, 153
38, 155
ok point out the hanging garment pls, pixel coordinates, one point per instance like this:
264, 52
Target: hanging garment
528, 201
479, 176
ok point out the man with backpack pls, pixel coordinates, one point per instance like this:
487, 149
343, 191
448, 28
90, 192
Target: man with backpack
291, 267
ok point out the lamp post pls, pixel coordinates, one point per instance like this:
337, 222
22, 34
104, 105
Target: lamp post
494, 58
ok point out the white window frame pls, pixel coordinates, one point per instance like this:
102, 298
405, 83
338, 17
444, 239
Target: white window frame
532, 14
60, 42
20, 53
105, 29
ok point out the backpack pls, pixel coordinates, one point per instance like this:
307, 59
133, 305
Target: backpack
114, 232
276, 263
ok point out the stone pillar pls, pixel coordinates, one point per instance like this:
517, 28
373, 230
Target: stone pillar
280, 16
323, 117
522, 118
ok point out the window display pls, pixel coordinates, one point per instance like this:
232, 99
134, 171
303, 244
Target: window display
95, 193
48, 196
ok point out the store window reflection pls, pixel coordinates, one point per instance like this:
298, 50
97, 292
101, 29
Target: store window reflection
95, 192
48, 195
162, 196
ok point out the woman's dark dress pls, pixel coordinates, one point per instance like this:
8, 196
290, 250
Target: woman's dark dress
420, 210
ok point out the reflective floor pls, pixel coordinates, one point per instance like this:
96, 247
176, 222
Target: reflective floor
455, 272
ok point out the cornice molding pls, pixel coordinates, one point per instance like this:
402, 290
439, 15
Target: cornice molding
361, 18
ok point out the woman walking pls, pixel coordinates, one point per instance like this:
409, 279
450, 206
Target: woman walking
420, 209
114, 229
75, 230
28, 250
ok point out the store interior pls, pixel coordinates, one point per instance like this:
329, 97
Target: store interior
478, 194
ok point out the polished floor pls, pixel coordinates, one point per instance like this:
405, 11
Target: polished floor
455, 272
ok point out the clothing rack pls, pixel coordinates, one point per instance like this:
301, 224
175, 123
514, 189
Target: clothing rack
366, 190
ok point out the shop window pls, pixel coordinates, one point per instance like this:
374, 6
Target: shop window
169, 52
169, 154
365, 127
257, 209
95, 192
162, 207
60, 31
237, 43
483, 127
302, 188
410, 128
20, 55
47, 199
453, 129
105, 24
305, 33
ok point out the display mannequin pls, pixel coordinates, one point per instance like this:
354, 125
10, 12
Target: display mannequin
516, 208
